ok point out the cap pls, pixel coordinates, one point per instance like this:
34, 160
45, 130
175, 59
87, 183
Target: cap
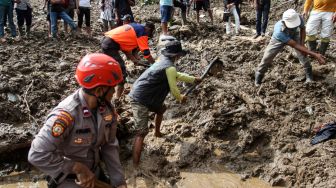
291, 18
173, 48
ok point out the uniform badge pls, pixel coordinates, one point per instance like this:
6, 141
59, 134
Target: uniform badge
57, 129
78, 141
86, 112
108, 117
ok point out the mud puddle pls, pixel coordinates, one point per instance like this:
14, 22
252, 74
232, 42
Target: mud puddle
198, 178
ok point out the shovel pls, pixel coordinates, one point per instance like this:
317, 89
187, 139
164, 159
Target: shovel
212, 67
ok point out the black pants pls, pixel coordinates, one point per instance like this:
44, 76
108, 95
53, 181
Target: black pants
84, 11
262, 17
181, 5
111, 48
24, 16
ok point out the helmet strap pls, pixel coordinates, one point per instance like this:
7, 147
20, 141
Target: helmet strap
101, 101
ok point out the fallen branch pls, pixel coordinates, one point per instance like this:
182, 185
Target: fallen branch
242, 108
31, 118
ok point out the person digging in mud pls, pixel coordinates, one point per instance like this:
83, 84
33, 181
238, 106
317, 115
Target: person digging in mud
322, 18
81, 130
205, 5
286, 33
150, 90
126, 38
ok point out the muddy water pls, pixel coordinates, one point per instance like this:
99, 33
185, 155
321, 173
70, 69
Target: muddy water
218, 180
25, 185
190, 180
195, 179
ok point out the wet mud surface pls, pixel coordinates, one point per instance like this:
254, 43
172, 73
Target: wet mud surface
255, 132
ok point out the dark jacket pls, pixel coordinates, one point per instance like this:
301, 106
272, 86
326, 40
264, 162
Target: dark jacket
152, 88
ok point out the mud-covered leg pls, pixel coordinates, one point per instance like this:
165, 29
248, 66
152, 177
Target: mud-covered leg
273, 48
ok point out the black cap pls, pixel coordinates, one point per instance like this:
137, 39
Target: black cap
173, 48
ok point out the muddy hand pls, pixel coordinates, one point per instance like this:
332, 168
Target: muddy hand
304, 14
183, 99
320, 59
198, 80
85, 177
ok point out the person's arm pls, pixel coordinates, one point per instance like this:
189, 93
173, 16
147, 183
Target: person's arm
144, 48
173, 76
304, 50
42, 153
110, 156
307, 7
130, 56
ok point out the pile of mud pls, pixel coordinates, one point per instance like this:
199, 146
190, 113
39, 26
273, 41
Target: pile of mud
256, 132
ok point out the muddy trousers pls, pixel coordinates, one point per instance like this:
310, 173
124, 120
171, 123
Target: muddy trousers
273, 48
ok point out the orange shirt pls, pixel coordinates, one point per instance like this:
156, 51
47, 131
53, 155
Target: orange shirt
321, 5
129, 37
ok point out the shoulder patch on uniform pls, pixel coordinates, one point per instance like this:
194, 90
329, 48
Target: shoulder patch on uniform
62, 121
57, 129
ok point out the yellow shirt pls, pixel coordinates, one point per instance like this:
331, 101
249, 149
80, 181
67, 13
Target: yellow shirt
320, 5
173, 76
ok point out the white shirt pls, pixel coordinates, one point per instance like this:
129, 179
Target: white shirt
84, 3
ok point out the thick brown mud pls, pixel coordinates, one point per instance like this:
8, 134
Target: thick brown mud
227, 122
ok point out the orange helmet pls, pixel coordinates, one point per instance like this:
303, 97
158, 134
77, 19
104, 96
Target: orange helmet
98, 70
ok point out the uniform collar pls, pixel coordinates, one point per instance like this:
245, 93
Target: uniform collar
85, 108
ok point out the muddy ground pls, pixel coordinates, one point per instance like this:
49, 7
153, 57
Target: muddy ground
256, 132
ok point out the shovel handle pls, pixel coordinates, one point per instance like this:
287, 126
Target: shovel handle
213, 61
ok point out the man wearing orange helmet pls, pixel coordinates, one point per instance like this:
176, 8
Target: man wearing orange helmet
127, 38
81, 130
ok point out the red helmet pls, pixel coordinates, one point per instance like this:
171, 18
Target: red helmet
98, 70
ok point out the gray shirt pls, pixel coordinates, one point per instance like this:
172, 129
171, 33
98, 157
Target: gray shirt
72, 134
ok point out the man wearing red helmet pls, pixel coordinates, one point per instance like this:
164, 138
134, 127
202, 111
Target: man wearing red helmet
81, 130
127, 38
